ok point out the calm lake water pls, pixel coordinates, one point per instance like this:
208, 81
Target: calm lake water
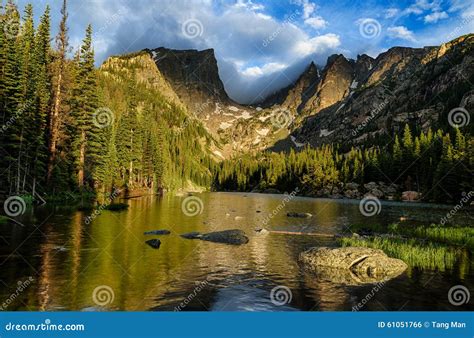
78, 266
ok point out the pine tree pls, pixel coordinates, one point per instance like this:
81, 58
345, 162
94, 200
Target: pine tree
56, 114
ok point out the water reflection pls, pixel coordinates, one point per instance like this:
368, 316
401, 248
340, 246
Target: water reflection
68, 258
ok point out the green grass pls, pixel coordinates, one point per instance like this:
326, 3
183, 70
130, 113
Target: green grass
411, 251
459, 236
450, 235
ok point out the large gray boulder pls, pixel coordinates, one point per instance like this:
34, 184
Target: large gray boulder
234, 237
352, 265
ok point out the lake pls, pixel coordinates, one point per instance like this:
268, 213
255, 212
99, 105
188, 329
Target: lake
52, 259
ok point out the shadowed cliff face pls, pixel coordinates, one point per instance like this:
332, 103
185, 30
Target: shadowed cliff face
193, 74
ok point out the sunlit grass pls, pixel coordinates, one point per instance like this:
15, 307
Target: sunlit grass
460, 236
411, 251
452, 235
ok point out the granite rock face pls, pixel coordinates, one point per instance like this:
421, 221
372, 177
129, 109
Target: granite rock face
352, 265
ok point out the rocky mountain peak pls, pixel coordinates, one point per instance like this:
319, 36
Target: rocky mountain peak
193, 74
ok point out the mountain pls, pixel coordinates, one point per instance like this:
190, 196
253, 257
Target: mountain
350, 101
374, 98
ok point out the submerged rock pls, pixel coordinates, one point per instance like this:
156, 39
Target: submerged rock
191, 235
234, 237
352, 265
157, 232
299, 214
262, 231
154, 243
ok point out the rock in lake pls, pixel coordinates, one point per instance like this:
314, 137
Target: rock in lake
154, 243
234, 237
191, 235
157, 232
352, 265
410, 196
299, 214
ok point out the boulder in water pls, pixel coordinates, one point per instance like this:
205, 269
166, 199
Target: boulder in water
157, 232
352, 265
154, 243
191, 235
234, 237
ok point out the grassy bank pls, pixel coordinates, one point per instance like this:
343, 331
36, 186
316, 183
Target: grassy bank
431, 247
411, 251
457, 236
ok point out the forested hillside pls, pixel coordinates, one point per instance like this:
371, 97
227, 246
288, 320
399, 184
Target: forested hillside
68, 127
437, 164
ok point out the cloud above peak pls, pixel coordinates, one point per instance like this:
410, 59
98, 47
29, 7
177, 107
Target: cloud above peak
260, 45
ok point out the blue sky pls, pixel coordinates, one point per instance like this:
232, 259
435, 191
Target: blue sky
263, 45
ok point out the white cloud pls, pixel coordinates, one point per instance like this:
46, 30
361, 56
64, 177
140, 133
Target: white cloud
391, 12
308, 9
421, 6
317, 45
249, 5
401, 32
266, 69
435, 17
316, 22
